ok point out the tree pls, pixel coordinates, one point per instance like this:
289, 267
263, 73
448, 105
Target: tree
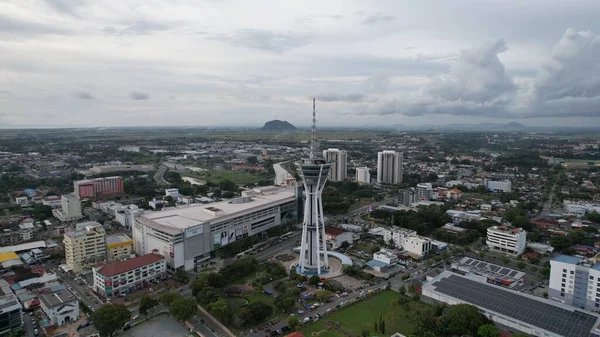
183, 308
260, 310
110, 318
559, 242
464, 319
488, 330
207, 295
181, 276
314, 280
382, 326
593, 216
293, 322
345, 245
220, 308
366, 333
521, 265
375, 327
168, 298
147, 303
323, 295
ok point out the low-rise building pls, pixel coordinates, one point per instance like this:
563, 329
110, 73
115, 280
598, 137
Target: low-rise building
53, 201
417, 246
498, 186
515, 310
70, 208
397, 235
386, 256
336, 236
85, 246
507, 239
119, 278
118, 246
61, 307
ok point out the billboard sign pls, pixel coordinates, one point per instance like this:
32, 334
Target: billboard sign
193, 231
238, 232
231, 235
224, 239
245, 231
216, 240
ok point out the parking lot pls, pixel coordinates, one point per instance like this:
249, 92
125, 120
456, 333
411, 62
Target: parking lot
159, 326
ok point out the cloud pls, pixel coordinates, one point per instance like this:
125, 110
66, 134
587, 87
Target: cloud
277, 43
341, 98
569, 84
83, 95
138, 95
139, 27
377, 83
65, 6
17, 27
5, 94
378, 18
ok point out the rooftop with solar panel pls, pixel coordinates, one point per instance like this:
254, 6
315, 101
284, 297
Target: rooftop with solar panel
493, 273
519, 311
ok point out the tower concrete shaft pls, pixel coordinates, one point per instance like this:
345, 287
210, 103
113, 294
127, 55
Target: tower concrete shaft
313, 172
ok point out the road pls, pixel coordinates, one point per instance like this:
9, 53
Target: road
159, 176
548, 204
81, 292
279, 247
281, 174
374, 205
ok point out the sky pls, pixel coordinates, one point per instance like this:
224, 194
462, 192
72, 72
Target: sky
72, 63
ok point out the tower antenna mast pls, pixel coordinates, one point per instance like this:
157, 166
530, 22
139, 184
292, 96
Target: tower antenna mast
313, 136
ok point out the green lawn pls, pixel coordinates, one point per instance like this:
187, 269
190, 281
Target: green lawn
361, 203
217, 176
361, 316
268, 299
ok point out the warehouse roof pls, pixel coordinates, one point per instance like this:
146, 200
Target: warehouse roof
544, 314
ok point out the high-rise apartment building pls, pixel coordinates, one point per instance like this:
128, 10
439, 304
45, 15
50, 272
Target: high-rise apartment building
389, 167
406, 196
498, 186
575, 281
363, 175
507, 239
99, 187
70, 208
339, 158
85, 246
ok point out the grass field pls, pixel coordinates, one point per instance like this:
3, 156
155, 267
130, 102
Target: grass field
361, 203
216, 176
268, 299
361, 316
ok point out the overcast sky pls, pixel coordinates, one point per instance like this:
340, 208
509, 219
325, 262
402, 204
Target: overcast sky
209, 62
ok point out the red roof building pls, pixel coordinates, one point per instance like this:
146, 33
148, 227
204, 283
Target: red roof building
120, 278
121, 267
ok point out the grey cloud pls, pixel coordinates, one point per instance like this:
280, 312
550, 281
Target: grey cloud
65, 6
138, 95
378, 18
277, 43
17, 27
5, 94
139, 27
341, 98
569, 84
83, 95
377, 83
476, 85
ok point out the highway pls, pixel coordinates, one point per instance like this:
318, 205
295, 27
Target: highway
159, 176
548, 205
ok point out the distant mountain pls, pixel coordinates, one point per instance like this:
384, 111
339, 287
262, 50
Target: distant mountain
277, 125
514, 126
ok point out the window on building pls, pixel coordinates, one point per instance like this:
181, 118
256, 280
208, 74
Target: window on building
572, 272
562, 294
